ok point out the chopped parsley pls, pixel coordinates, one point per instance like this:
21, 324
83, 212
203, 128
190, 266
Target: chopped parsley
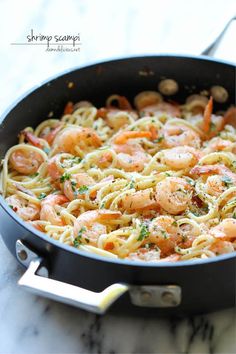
83, 190
174, 223
102, 206
167, 174
65, 177
78, 239
132, 184
212, 126
158, 140
11, 206
164, 234
234, 215
73, 185
34, 175
42, 196
144, 233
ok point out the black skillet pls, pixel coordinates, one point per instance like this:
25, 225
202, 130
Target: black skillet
62, 272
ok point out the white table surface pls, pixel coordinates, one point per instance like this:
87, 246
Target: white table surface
30, 324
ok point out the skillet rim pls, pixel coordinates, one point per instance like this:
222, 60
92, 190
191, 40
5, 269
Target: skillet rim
94, 256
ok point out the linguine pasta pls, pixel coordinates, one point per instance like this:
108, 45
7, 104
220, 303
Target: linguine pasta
154, 182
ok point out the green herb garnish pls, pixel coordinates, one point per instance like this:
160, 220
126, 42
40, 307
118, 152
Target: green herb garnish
131, 185
212, 126
144, 233
78, 239
34, 175
65, 177
42, 196
83, 190
73, 185
158, 140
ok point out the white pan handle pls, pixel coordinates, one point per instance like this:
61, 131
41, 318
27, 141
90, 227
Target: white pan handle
36, 280
63, 292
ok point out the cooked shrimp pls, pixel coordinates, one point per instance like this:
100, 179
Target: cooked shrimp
173, 194
140, 200
52, 167
48, 211
180, 157
207, 115
25, 209
212, 169
147, 98
230, 116
25, 161
49, 134
218, 144
165, 233
82, 138
180, 135
71, 187
222, 178
216, 124
124, 136
32, 139
226, 229
131, 156
172, 110
145, 254
91, 224
123, 103
222, 247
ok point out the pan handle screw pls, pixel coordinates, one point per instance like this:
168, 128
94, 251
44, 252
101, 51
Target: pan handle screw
168, 297
146, 295
22, 254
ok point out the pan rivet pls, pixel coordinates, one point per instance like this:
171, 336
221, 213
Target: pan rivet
22, 255
146, 295
168, 297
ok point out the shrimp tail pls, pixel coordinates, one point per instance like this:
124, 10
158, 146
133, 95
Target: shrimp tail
32, 139
207, 115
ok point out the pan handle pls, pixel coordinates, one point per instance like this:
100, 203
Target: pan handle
63, 292
36, 280
211, 49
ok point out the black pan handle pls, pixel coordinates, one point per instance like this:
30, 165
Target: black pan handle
210, 50
36, 280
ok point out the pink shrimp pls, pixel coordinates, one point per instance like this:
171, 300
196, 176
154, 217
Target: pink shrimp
225, 230
69, 138
219, 178
26, 161
91, 224
172, 110
180, 157
48, 211
72, 186
180, 135
25, 209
